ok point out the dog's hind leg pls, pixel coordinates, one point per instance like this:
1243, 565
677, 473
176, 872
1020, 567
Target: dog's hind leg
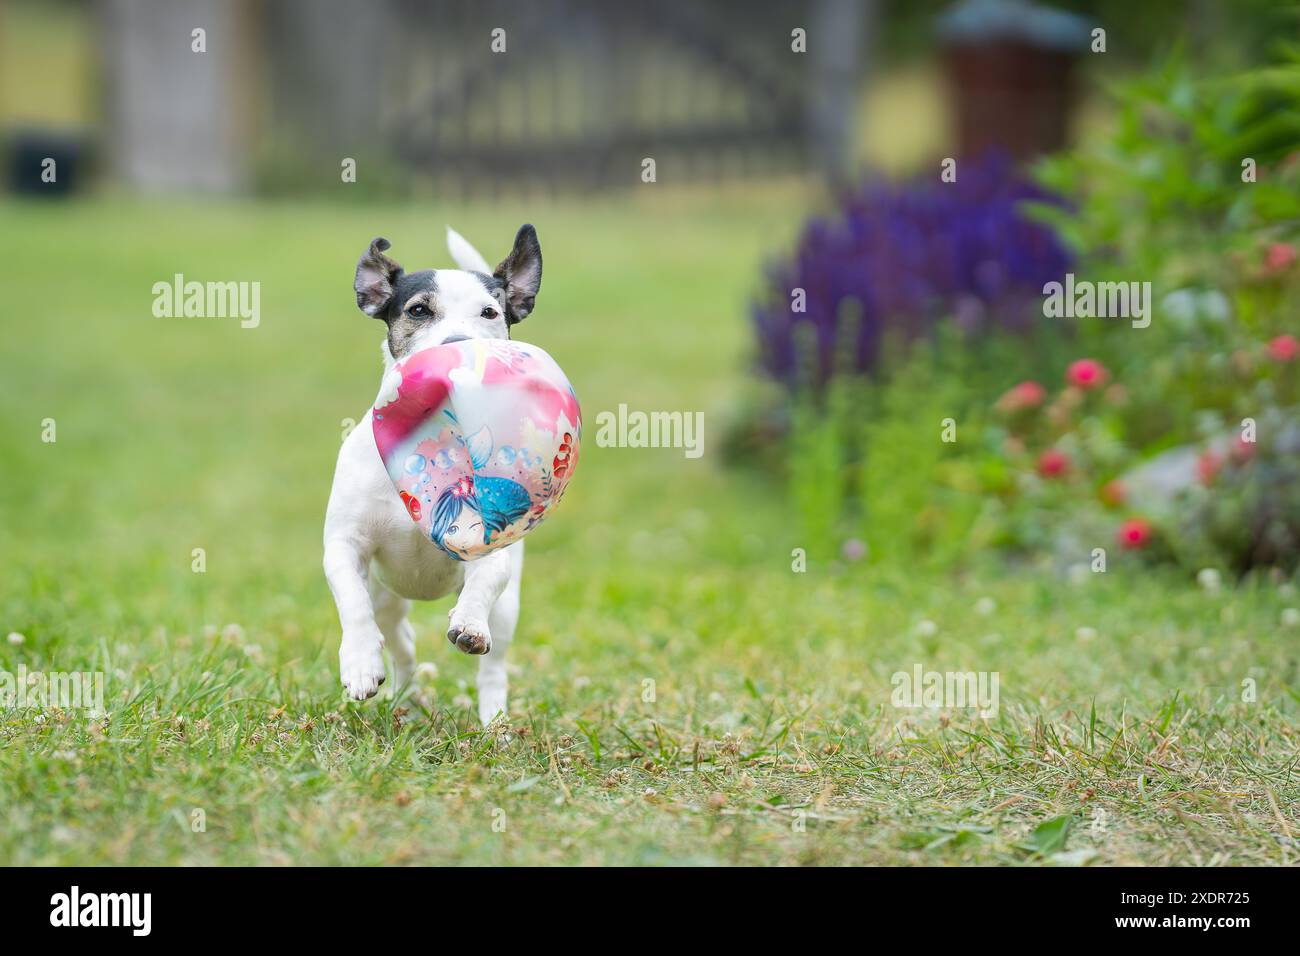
399, 636
502, 619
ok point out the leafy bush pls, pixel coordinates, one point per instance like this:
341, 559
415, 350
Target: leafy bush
1175, 442
1169, 199
1079, 476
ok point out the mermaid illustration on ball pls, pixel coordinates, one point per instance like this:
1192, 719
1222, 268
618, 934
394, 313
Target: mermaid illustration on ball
468, 513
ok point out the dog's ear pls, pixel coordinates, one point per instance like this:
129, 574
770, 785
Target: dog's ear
376, 276
522, 273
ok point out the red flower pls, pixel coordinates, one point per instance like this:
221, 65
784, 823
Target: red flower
1277, 257
1086, 374
1114, 493
1284, 348
1053, 463
1207, 467
1134, 534
1022, 396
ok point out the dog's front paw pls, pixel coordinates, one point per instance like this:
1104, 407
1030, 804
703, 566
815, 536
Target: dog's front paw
361, 666
470, 636
491, 706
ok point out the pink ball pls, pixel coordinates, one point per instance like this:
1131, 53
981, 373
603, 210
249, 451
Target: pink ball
486, 433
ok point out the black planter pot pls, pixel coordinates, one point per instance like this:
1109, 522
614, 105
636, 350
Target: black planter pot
30, 173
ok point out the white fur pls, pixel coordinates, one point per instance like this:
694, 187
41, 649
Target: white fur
377, 560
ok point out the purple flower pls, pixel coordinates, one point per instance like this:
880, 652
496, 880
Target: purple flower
902, 258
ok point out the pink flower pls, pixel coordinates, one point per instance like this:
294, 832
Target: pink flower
1134, 534
1284, 348
1086, 374
1053, 463
1278, 257
1022, 396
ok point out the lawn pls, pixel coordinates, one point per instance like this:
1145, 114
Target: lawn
679, 693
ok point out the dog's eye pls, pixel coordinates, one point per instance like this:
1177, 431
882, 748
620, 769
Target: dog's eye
489, 312
418, 310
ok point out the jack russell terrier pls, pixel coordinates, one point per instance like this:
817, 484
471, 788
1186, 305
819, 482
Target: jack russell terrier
376, 559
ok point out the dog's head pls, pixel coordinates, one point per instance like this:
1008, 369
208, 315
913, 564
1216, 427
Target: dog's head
436, 306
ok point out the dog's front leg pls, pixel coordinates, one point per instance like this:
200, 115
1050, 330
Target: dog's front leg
485, 579
361, 654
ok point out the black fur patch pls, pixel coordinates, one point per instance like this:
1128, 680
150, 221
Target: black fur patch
402, 327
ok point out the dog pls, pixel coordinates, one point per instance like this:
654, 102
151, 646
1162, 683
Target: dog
377, 561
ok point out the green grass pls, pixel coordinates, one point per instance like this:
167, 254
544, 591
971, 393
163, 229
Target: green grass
771, 738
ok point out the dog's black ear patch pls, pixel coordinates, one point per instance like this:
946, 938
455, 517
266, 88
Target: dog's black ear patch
522, 273
376, 276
